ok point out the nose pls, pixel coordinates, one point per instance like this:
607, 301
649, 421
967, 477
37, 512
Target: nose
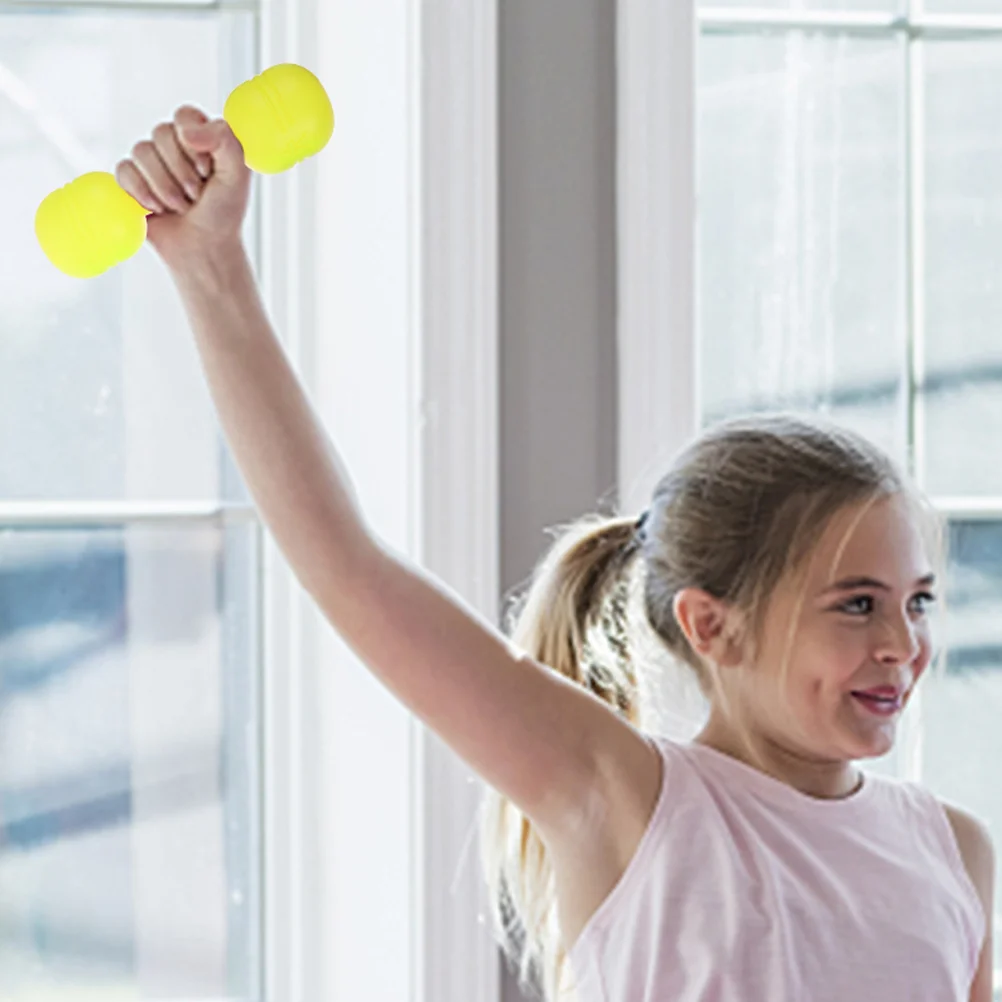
899, 643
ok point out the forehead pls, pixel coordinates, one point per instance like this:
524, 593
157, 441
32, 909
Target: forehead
882, 539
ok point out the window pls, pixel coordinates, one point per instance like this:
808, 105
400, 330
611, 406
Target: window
849, 173
188, 752
129, 553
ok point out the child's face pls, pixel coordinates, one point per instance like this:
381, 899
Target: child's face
848, 640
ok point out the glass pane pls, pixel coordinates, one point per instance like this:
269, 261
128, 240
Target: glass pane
962, 707
101, 393
963, 164
800, 230
128, 785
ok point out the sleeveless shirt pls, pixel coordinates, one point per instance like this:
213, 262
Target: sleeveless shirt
744, 889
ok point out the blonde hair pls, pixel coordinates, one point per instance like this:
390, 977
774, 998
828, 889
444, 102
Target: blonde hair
742, 506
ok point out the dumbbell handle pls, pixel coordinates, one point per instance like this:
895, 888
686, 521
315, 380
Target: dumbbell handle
281, 117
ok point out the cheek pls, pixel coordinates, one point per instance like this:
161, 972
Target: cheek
922, 662
815, 683
834, 661
822, 691
822, 666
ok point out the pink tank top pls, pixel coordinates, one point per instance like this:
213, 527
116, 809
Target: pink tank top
744, 889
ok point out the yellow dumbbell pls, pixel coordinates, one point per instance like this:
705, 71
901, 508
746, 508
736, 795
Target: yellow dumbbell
281, 117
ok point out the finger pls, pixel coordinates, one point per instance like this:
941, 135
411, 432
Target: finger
163, 184
188, 116
168, 145
217, 139
131, 180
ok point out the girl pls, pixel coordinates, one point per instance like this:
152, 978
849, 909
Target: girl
782, 561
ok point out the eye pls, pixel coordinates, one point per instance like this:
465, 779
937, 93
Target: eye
851, 606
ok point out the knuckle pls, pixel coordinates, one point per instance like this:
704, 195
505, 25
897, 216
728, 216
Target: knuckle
142, 149
187, 113
162, 131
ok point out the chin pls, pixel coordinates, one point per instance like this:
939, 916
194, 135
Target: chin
875, 746
872, 752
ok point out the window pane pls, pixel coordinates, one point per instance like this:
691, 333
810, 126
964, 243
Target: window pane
101, 394
962, 707
128, 784
801, 231
963, 163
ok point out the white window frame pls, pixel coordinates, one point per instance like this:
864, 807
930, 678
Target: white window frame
658, 260
656, 237
372, 886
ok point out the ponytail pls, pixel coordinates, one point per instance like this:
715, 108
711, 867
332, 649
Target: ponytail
571, 619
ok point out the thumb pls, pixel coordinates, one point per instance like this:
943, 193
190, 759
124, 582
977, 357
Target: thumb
217, 139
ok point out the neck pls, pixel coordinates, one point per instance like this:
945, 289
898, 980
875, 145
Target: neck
827, 779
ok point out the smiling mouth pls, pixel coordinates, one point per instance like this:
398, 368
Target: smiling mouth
882, 706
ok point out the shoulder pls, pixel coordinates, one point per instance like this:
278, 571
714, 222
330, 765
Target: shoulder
975, 844
973, 837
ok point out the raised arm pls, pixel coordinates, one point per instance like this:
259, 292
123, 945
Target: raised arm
529, 732
524, 729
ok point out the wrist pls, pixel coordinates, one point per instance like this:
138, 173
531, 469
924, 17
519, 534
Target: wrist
213, 270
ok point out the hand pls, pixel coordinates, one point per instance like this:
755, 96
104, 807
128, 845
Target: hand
191, 175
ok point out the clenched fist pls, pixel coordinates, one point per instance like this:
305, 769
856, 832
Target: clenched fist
192, 176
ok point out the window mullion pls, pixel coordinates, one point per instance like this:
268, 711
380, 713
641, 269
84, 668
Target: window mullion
90, 513
969, 508
914, 239
727, 20
128, 6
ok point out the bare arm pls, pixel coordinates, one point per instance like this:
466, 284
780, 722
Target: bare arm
532, 734
295, 476
525, 729
975, 845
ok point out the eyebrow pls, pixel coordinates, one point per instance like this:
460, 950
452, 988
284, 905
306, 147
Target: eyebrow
864, 582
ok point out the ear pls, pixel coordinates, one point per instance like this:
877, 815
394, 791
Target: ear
711, 626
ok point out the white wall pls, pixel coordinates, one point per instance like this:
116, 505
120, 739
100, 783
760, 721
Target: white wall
558, 288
